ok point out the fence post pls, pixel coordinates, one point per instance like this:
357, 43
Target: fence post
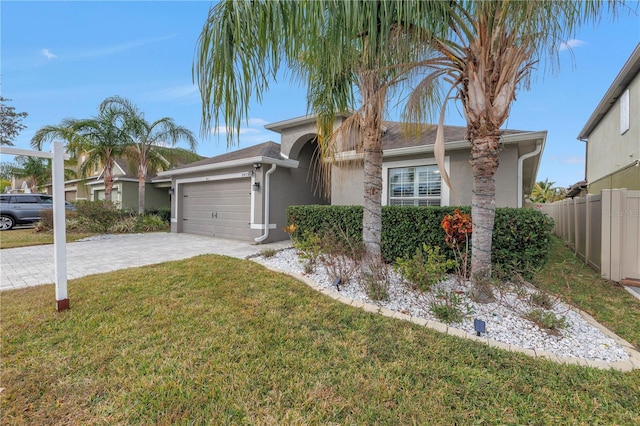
618, 201
576, 227
605, 238
587, 235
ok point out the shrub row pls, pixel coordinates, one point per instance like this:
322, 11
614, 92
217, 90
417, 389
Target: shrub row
106, 217
521, 237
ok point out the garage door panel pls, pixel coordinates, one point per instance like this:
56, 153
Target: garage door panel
217, 208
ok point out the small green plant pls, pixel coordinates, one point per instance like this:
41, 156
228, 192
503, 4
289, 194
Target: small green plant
546, 320
375, 290
448, 307
426, 268
309, 244
541, 299
126, 225
268, 252
375, 279
341, 254
150, 223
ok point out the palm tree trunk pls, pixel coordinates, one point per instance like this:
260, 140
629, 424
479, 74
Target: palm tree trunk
108, 180
484, 161
372, 211
142, 186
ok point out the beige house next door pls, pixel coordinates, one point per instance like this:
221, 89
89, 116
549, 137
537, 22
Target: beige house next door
217, 209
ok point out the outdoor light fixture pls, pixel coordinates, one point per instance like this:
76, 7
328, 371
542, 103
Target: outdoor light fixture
336, 283
480, 326
257, 165
256, 186
171, 191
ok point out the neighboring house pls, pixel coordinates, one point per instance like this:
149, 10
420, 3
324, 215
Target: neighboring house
612, 133
125, 187
233, 195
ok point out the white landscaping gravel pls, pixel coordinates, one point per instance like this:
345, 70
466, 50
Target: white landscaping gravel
504, 321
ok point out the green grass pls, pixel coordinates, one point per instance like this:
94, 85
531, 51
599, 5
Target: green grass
567, 276
29, 237
214, 340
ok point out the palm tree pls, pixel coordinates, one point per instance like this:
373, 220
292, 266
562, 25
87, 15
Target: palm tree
489, 52
545, 192
147, 140
35, 171
345, 51
101, 139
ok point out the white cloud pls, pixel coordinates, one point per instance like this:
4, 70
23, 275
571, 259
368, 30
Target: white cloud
47, 54
570, 44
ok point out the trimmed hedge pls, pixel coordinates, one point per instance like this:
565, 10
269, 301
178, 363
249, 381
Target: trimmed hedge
521, 237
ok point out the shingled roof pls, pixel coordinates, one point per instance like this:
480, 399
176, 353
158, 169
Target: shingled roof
268, 149
400, 136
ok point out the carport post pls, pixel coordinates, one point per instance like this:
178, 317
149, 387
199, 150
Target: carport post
59, 227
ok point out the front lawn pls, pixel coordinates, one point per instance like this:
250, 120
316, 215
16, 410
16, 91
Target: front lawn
215, 340
29, 237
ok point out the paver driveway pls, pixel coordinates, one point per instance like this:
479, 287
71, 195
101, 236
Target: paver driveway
30, 266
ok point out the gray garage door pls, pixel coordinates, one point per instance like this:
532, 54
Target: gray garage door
217, 209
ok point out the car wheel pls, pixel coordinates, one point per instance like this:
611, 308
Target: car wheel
6, 222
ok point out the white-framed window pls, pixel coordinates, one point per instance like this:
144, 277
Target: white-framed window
414, 183
624, 112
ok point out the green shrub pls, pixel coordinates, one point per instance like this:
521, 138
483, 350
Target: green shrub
99, 215
150, 223
521, 237
163, 212
426, 268
126, 225
46, 221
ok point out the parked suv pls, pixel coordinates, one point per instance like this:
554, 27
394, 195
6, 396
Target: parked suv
21, 209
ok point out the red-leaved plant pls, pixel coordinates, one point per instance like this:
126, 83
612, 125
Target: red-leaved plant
457, 228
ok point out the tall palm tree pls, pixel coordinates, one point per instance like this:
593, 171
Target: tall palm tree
101, 139
489, 52
147, 140
346, 53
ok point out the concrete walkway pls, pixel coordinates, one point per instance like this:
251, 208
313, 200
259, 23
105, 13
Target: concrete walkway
31, 266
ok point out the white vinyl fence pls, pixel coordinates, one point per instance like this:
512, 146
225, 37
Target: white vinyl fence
602, 229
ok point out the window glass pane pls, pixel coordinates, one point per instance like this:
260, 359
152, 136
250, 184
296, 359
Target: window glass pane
415, 186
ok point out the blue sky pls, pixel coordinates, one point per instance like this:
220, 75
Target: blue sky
61, 59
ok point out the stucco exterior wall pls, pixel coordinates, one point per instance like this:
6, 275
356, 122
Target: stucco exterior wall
155, 198
128, 195
347, 181
628, 178
608, 151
